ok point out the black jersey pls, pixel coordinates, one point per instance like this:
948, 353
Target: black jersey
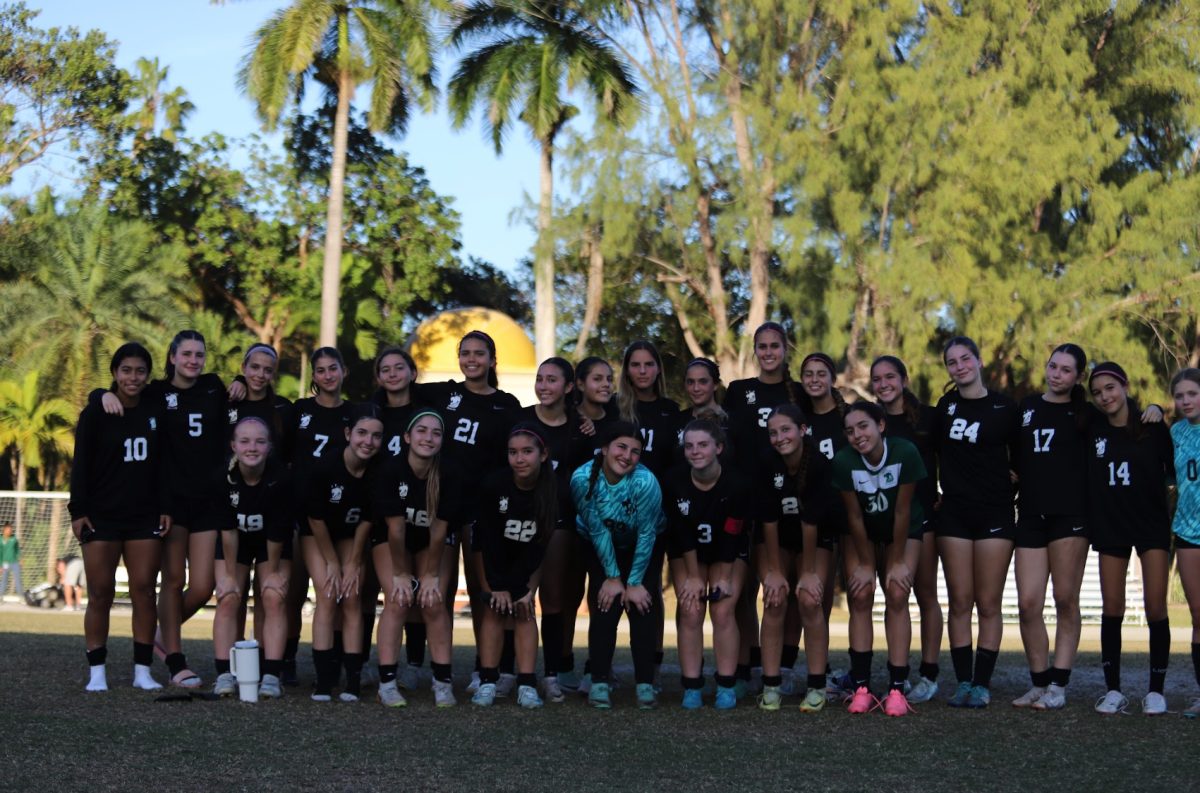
276, 413
1127, 484
397, 491
560, 441
977, 447
780, 501
1051, 465
477, 425
749, 403
923, 436
259, 510
395, 421
318, 434
583, 448
658, 423
827, 431
195, 426
710, 522
506, 533
117, 474
339, 498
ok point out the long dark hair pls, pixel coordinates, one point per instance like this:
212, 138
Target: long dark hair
796, 415
318, 354
131, 349
961, 341
909, 401
626, 394
1133, 425
582, 370
492, 379
775, 327
806, 402
545, 490
180, 338
612, 431
1078, 392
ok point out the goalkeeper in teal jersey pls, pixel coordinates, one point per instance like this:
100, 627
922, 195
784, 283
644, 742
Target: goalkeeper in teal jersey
1185, 434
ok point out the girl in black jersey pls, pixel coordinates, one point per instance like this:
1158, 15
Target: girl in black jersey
707, 507
701, 379
516, 513
256, 524
795, 496
334, 539
1129, 464
909, 418
418, 502
119, 509
977, 439
259, 365
822, 403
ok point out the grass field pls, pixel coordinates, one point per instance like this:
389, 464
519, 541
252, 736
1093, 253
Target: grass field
60, 738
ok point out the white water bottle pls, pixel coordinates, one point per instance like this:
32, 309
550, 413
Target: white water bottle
243, 662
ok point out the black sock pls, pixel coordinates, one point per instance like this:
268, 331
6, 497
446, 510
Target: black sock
1195, 660
691, 682
508, 655
272, 666
658, 657
985, 664
772, 680
788, 659
725, 681
743, 672
816, 682
527, 679
387, 673
566, 663
326, 666
489, 674
929, 671
290, 649
98, 656
143, 654
961, 658
353, 664
441, 672
1060, 677
222, 665
860, 668
414, 643
1160, 652
1040, 679
175, 662
338, 647
1110, 651
755, 656
552, 641
898, 675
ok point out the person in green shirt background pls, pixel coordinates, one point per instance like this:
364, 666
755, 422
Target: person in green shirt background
10, 561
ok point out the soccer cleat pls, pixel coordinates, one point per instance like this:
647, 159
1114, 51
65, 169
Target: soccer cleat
1029, 698
980, 697
1192, 710
552, 690
838, 685
814, 700
1154, 704
484, 695
473, 686
741, 688
923, 691
1112, 703
322, 698
693, 699
861, 701
568, 681
226, 685
895, 704
727, 698
347, 697
598, 696
770, 698
506, 684
1055, 698
788, 687
443, 694
527, 697
647, 699
390, 696
270, 687
409, 678
959, 698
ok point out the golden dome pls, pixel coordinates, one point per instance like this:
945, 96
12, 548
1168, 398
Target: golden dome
434, 344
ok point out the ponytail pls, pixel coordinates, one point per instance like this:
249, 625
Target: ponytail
180, 338
492, 379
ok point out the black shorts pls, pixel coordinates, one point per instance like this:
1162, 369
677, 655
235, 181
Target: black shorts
1124, 552
883, 540
1038, 531
706, 553
252, 549
337, 533
108, 530
416, 538
193, 514
793, 539
1184, 545
976, 523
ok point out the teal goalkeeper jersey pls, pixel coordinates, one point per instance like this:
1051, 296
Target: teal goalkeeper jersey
1186, 437
626, 516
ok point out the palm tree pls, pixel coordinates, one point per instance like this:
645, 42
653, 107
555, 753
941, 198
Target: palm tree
32, 425
155, 109
530, 53
343, 45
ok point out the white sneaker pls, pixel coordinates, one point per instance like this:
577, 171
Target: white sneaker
1027, 699
527, 697
390, 695
409, 678
1112, 703
322, 698
923, 691
554, 692
347, 697
1154, 704
506, 684
485, 695
473, 686
443, 694
1055, 698
226, 685
270, 688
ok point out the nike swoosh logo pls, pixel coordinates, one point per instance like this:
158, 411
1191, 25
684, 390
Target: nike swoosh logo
1076, 528
998, 528
497, 407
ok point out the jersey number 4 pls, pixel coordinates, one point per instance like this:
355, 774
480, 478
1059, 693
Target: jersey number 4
1118, 474
961, 429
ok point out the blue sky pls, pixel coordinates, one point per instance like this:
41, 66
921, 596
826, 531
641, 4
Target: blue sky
202, 45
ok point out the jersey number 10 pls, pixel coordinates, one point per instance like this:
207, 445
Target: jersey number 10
136, 449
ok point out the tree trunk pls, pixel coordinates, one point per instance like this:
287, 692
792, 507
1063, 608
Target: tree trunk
56, 510
543, 266
595, 289
22, 482
331, 270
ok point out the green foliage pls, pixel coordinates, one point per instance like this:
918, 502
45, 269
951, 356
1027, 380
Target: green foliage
33, 426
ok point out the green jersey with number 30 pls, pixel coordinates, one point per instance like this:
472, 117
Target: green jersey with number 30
877, 487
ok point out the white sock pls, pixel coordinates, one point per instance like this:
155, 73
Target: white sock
143, 679
98, 680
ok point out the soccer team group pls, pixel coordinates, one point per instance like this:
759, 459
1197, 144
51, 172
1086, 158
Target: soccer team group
758, 491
